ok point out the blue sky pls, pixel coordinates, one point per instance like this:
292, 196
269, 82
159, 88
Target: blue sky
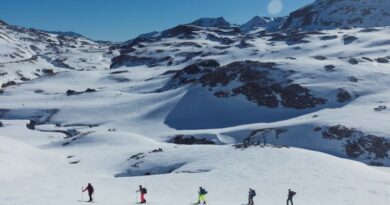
119, 20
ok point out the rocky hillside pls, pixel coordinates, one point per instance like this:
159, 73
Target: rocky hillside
331, 14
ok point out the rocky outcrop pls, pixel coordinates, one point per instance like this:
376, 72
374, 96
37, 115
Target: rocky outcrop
190, 140
260, 82
358, 144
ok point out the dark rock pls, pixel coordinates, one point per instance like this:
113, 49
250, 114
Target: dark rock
9, 83
189, 44
31, 125
70, 92
320, 57
254, 92
349, 39
89, 90
296, 96
119, 72
182, 31
380, 108
367, 59
353, 79
317, 129
329, 37
353, 61
190, 140
47, 71
330, 68
357, 144
343, 96
369, 30
382, 60
222, 40
60, 63
132, 61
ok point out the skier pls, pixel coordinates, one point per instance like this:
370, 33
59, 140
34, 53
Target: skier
291, 194
252, 194
90, 190
143, 191
202, 196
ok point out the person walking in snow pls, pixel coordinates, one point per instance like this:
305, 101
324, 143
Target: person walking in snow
252, 193
202, 195
143, 192
90, 190
290, 196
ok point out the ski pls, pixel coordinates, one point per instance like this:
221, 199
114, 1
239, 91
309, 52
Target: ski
86, 201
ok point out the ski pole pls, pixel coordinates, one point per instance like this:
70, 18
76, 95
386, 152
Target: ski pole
82, 193
136, 197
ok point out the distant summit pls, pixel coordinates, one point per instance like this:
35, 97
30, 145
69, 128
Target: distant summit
211, 22
66, 33
266, 23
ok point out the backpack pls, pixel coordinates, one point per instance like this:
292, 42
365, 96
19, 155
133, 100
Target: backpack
144, 190
253, 192
203, 191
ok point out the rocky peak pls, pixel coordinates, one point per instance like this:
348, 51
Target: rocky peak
267, 23
211, 22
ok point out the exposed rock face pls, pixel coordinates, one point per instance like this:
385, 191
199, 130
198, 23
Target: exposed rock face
260, 82
358, 144
132, 61
190, 140
181, 31
266, 23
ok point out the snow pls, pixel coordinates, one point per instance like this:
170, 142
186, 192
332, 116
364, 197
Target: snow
129, 114
269, 170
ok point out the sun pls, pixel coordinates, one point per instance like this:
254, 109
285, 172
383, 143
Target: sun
275, 7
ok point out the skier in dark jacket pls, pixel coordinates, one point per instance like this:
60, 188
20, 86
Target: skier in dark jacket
143, 191
202, 195
290, 196
90, 190
252, 194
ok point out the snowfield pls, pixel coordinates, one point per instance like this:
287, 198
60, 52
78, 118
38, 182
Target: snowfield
202, 104
318, 178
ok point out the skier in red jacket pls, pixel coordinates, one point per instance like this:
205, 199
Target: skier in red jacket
90, 190
143, 191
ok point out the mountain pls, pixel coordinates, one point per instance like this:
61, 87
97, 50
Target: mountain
266, 23
27, 54
211, 22
331, 14
66, 33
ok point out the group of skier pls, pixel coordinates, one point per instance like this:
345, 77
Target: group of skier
201, 195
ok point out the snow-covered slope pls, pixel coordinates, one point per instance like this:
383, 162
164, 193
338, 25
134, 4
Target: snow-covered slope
201, 104
27, 54
226, 172
330, 14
